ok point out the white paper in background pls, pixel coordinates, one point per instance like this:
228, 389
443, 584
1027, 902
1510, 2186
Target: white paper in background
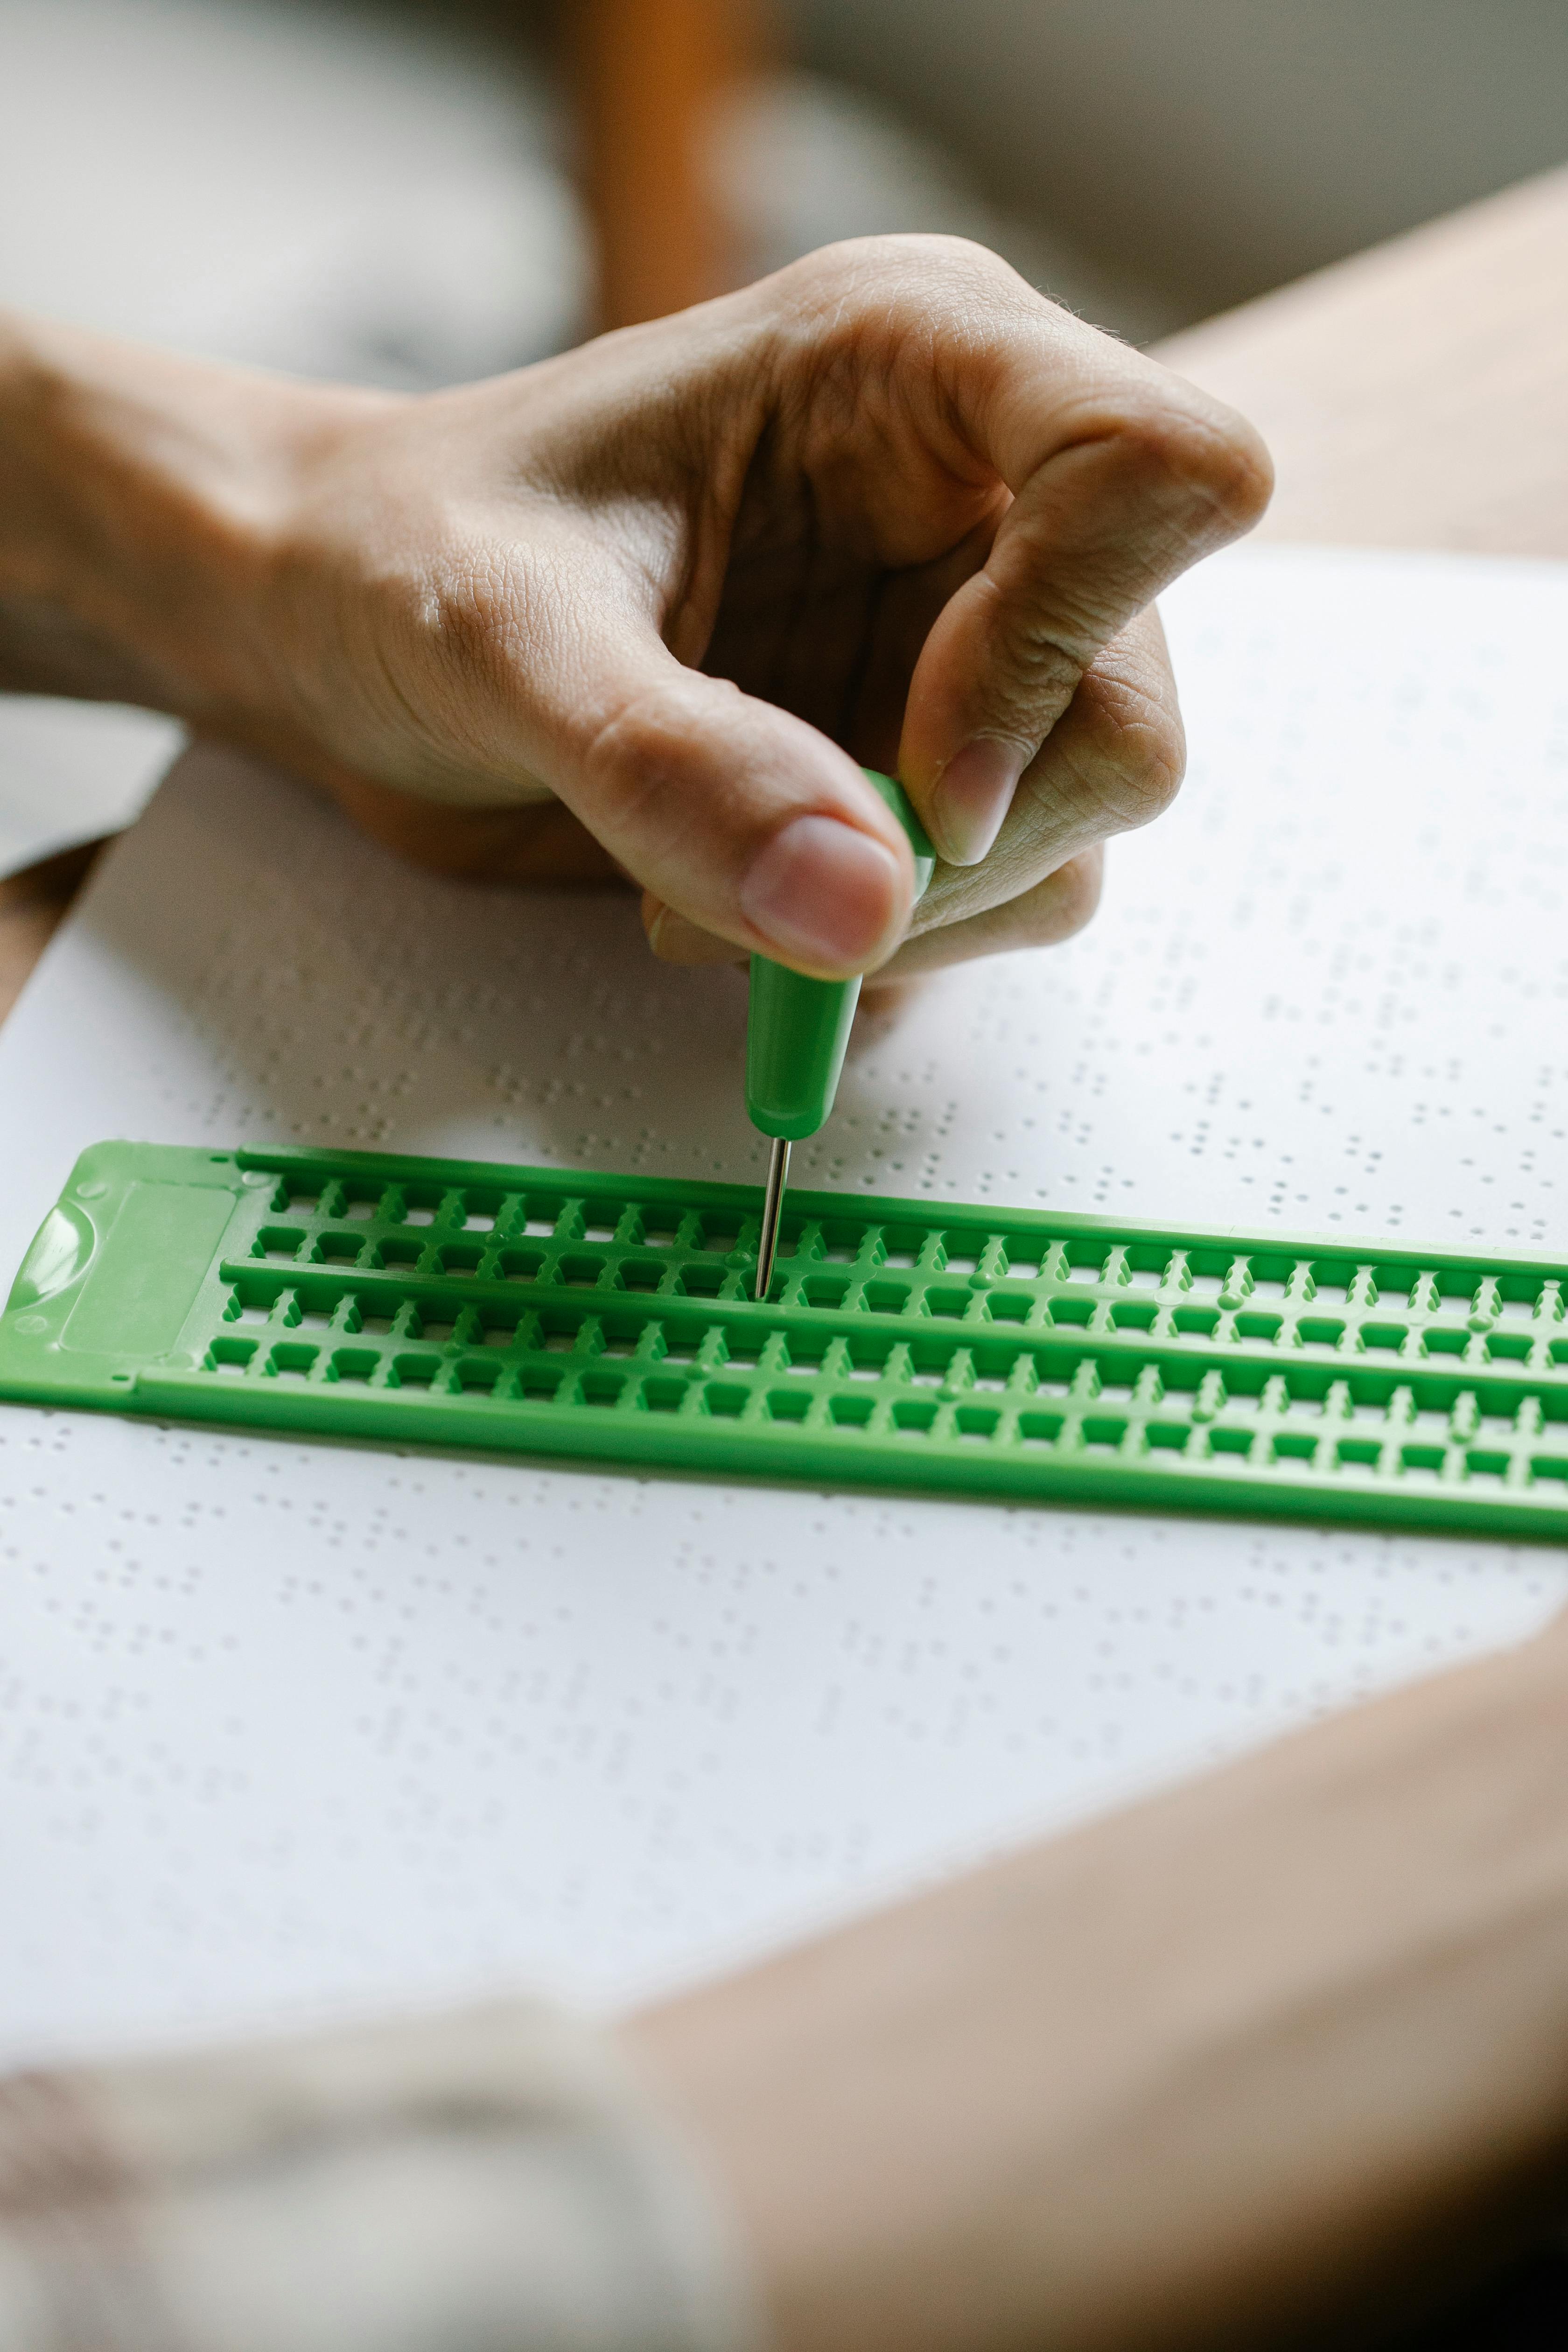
70, 771
288, 1725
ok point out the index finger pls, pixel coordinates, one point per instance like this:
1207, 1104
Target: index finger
1122, 475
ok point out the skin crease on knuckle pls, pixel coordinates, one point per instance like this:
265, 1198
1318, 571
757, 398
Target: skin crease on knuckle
870, 333
637, 761
1129, 755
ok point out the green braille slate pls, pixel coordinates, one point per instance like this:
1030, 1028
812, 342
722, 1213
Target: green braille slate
979, 1350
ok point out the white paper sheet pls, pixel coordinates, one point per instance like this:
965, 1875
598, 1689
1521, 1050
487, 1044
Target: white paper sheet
286, 1724
72, 770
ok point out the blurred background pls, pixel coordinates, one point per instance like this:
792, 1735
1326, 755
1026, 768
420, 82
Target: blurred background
410, 192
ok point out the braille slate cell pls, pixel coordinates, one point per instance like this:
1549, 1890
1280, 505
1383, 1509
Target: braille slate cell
976, 1349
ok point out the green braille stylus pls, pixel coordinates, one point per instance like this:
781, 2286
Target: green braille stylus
796, 1030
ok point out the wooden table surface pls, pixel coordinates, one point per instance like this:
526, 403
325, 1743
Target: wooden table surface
1414, 396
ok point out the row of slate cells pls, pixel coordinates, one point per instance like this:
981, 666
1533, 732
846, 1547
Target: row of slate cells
1209, 1268
295, 1360
365, 1201
1188, 1274
1441, 1466
1464, 1444
1426, 1404
565, 1217
1437, 1411
1144, 1286
1288, 1282
599, 1382
1195, 1271
1106, 1405
644, 1391
560, 1265
424, 1259
547, 1216
322, 1302
321, 1306
1515, 1326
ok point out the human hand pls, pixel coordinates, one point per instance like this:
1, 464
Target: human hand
644, 608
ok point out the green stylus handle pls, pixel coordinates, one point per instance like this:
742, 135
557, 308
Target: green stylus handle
797, 1028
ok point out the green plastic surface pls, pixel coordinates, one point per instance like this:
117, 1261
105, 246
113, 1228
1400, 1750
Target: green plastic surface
986, 1350
797, 1028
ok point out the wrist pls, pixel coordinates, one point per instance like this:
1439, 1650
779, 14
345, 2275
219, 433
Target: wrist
142, 494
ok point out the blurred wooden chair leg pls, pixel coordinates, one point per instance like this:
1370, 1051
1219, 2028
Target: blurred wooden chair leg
649, 74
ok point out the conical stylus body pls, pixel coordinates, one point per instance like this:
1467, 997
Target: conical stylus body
797, 1030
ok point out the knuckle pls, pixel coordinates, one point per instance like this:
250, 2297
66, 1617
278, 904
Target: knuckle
661, 783
636, 742
961, 258
1153, 764
643, 749
1133, 754
1207, 454
463, 612
1033, 674
916, 300
899, 255
631, 771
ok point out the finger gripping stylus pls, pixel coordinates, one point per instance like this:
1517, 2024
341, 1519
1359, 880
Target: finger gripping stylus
796, 1032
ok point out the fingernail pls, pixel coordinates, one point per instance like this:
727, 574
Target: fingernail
974, 796
822, 892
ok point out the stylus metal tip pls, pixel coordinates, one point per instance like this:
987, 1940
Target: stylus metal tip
772, 1209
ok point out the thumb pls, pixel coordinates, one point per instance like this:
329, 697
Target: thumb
1116, 491
736, 814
